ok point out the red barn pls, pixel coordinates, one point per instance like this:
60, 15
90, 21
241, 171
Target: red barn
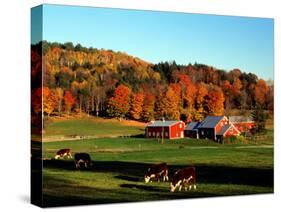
165, 129
211, 126
242, 123
227, 131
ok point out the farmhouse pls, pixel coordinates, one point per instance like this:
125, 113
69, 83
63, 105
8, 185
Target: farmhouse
165, 129
191, 130
211, 126
242, 123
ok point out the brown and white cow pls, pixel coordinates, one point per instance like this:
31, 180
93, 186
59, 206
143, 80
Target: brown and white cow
156, 172
183, 178
63, 153
82, 158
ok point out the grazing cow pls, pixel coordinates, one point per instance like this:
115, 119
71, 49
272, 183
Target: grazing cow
62, 153
184, 177
82, 158
157, 171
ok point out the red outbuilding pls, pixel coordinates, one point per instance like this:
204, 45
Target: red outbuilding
165, 129
242, 123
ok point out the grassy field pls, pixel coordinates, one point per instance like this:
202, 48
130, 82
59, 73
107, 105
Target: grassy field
94, 127
120, 163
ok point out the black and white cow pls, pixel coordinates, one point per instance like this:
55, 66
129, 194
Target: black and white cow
82, 158
183, 178
63, 153
156, 172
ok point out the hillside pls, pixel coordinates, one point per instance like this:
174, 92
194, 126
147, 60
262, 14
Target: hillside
106, 83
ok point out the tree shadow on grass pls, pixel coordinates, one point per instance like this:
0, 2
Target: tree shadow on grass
60, 190
212, 174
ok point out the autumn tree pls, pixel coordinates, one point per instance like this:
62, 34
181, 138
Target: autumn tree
148, 107
59, 95
215, 102
91, 75
69, 101
167, 105
261, 91
137, 100
119, 104
49, 101
200, 99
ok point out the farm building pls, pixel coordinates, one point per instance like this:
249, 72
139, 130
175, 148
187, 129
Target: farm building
226, 131
242, 123
211, 126
191, 130
165, 129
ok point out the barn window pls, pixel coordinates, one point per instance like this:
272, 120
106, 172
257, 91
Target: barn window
157, 134
202, 132
153, 134
149, 133
166, 134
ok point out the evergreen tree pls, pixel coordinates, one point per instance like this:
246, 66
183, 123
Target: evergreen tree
259, 117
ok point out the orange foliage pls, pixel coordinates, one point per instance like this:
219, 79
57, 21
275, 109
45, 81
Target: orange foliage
136, 105
49, 100
168, 105
69, 101
119, 104
261, 91
215, 102
148, 107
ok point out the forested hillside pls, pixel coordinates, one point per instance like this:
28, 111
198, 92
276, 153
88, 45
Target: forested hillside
114, 84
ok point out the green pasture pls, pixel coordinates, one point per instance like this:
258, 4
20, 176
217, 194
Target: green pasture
90, 127
120, 163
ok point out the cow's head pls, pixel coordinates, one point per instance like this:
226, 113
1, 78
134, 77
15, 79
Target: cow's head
174, 186
146, 178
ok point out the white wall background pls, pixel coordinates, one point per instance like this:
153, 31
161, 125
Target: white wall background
14, 102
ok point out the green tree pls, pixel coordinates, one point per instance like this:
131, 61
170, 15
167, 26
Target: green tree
259, 117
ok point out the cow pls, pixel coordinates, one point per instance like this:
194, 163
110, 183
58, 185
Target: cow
183, 178
63, 153
82, 158
157, 171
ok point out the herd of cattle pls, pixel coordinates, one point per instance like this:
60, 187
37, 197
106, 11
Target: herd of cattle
182, 178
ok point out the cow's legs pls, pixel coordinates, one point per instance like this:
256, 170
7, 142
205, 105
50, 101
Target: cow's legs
180, 187
77, 165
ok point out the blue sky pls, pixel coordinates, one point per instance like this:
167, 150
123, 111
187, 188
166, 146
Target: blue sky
225, 42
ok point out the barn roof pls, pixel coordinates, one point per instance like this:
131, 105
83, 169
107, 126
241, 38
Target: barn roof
210, 121
237, 119
192, 125
224, 129
162, 123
